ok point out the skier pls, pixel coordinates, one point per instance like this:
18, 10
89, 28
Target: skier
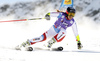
57, 32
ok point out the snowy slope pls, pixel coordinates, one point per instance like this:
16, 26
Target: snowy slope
14, 33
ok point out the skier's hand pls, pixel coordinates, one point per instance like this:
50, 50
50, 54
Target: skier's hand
79, 45
47, 16
59, 11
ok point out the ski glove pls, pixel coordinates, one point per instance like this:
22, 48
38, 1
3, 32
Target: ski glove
47, 16
79, 45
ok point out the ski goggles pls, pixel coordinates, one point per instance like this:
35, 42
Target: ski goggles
71, 14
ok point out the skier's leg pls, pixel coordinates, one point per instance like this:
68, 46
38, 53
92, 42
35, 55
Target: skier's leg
48, 34
32, 41
57, 38
43, 37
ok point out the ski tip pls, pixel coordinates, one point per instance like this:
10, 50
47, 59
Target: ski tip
60, 48
29, 49
57, 49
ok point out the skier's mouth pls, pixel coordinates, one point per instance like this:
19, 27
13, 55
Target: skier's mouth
70, 17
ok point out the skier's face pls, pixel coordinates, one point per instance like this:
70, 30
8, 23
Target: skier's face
70, 17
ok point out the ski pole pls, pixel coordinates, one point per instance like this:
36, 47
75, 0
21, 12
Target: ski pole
22, 20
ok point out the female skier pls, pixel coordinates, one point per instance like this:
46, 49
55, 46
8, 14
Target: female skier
57, 32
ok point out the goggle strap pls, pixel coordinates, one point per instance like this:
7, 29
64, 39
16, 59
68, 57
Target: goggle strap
66, 11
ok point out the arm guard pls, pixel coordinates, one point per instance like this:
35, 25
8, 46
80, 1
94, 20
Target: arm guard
77, 38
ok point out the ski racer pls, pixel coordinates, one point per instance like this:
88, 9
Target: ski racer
57, 32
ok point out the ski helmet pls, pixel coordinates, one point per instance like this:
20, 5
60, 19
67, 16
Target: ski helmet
71, 10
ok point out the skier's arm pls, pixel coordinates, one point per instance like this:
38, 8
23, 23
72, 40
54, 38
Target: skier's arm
74, 27
51, 14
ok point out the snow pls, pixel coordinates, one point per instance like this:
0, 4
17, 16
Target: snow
14, 33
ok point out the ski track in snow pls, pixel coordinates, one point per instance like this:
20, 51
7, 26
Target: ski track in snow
13, 55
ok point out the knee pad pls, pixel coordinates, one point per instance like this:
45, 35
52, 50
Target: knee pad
59, 38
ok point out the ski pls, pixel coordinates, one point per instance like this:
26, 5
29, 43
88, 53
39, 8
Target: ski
48, 49
39, 48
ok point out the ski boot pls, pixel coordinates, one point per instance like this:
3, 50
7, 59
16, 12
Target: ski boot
79, 45
24, 44
51, 42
